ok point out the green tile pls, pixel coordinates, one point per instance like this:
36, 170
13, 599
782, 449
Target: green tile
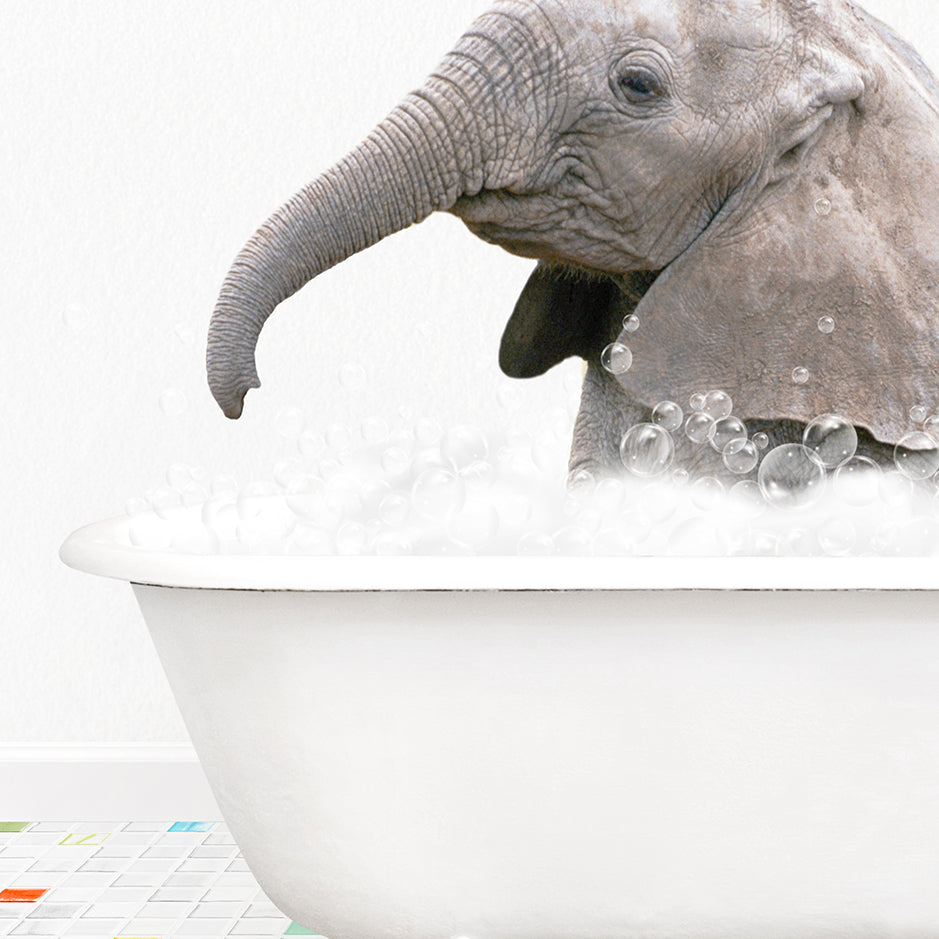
295, 929
14, 826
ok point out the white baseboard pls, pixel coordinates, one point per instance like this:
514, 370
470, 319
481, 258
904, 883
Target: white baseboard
103, 782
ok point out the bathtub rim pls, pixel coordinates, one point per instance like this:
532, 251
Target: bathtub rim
96, 549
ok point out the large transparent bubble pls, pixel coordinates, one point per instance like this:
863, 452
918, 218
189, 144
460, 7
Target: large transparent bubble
917, 456
647, 450
789, 477
830, 439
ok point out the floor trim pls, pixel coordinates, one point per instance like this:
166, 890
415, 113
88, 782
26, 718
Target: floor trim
102, 782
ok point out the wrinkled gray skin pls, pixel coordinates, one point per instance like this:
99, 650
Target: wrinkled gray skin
667, 158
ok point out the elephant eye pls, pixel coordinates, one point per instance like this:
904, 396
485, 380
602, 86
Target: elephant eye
636, 84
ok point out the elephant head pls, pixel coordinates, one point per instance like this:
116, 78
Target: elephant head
730, 171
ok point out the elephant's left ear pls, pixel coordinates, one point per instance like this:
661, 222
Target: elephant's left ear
561, 312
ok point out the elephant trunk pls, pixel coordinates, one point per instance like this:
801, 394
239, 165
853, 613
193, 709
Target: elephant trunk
437, 145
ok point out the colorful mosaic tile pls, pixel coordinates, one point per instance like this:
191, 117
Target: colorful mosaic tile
131, 880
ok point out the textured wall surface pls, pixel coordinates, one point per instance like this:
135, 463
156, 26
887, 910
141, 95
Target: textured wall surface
142, 145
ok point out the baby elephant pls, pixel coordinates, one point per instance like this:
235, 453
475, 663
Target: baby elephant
754, 180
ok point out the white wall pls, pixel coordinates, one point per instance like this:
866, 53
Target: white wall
141, 145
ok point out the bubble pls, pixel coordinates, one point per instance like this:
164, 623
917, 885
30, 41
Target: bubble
631, 323
425, 459
717, 404
351, 538
822, 207
438, 493
800, 375
789, 477
374, 430
646, 450
740, 456
395, 461
760, 441
698, 427
309, 498
75, 316
535, 544
287, 470
837, 536
896, 489
658, 502
680, 476
696, 401
289, 423
918, 414
480, 474
797, 542
725, 431
352, 376
162, 499
339, 438
705, 492
582, 483
748, 498
392, 544
464, 445
857, 481
616, 358
178, 475
931, 427
309, 539
136, 506
476, 525
427, 432
150, 531
312, 445
695, 537
251, 500
667, 415
608, 495
572, 539
192, 494
830, 440
826, 324
224, 486
917, 455
172, 402
394, 508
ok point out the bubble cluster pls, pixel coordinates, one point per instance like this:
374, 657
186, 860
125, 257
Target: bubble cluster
419, 488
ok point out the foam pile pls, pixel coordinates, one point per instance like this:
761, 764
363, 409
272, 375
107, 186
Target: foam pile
425, 491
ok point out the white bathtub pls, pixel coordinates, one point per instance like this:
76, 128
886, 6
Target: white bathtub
431, 748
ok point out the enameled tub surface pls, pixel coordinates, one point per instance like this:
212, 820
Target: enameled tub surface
449, 759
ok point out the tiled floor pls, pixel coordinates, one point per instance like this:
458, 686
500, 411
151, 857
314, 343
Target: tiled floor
132, 880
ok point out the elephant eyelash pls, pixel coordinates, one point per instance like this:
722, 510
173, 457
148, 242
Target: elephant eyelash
636, 84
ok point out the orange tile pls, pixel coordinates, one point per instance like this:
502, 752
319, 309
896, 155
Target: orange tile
21, 896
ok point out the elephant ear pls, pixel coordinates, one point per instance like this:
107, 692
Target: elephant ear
563, 311
851, 237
